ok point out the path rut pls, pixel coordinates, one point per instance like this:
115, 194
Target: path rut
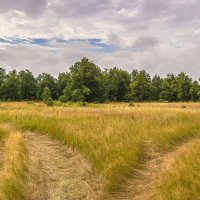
141, 186
59, 172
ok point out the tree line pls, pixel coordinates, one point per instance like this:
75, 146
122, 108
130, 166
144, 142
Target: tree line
86, 82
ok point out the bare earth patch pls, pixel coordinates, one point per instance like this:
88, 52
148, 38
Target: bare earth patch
58, 172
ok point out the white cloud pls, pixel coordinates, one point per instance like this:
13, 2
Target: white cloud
160, 36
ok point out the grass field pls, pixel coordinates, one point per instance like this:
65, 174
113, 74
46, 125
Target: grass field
182, 181
114, 138
13, 176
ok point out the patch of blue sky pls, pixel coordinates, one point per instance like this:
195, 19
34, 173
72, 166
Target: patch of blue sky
95, 42
15, 41
40, 41
98, 44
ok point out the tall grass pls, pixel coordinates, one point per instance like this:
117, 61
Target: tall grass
14, 173
183, 180
3, 134
110, 136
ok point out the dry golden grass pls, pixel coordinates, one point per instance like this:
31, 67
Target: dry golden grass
111, 136
13, 173
58, 173
182, 180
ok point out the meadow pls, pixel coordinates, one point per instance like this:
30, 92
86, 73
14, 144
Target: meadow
115, 138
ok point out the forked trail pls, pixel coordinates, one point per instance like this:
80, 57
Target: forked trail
59, 173
141, 186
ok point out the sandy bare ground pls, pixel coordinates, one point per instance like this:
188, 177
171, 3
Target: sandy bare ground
59, 173
142, 185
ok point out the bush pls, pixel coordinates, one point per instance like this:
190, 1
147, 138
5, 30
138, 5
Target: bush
46, 94
163, 101
63, 99
83, 103
49, 102
30, 102
131, 104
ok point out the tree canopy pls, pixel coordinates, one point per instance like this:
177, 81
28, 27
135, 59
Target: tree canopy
87, 82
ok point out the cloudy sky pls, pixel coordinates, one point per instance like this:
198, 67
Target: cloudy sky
160, 36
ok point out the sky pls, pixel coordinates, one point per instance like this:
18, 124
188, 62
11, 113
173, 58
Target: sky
160, 36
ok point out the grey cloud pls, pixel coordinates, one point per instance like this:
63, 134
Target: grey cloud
143, 33
186, 12
77, 8
154, 8
145, 42
30, 7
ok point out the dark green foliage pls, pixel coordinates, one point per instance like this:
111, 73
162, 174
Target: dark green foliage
46, 80
46, 97
86, 82
118, 84
49, 102
169, 88
140, 88
46, 94
63, 99
11, 87
156, 87
184, 84
28, 85
2, 79
63, 81
195, 91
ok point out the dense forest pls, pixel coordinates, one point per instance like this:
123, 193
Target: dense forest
86, 82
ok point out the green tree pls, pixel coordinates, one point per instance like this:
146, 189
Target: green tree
140, 88
2, 75
86, 81
134, 73
184, 84
28, 85
11, 87
47, 80
118, 84
194, 91
46, 94
63, 81
2, 79
156, 87
169, 89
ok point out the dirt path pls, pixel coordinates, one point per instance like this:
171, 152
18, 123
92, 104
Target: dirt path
59, 173
143, 182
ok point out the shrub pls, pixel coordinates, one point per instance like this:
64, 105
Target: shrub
83, 103
63, 99
49, 102
131, 104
